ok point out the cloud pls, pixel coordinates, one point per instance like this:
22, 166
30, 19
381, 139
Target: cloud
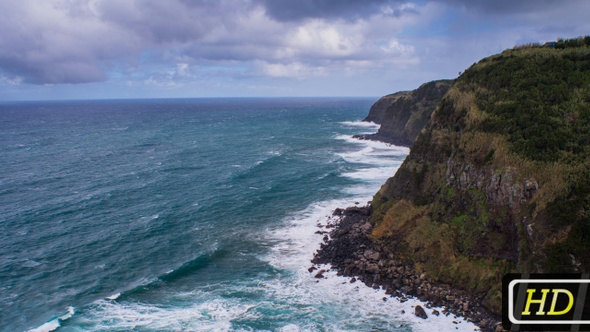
542, 17
512, 7
329, 9
63, 41
291, 70
57, 42
171, 43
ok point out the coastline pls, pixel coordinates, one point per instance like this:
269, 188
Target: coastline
397, 141
347, 247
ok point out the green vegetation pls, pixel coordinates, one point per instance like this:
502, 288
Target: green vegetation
574, 42
539, 98
500, 179
571, 212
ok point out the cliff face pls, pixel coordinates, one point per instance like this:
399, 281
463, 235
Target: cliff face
402, 115
379, 108
499, 179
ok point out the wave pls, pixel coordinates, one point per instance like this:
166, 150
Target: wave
210, 315
374, 144
186, 269
54, 324
272, 157
380, 160
194, 265
30, 263
361, 124
293, 300
293, 244
372, 174
118, 299
358, 306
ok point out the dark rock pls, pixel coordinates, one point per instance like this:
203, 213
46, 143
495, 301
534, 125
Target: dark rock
311, 269
372, 255
350, 250
373, 269
320, 274
419, 312
348, 270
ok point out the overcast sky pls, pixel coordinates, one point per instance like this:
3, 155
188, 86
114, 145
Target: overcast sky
88, 49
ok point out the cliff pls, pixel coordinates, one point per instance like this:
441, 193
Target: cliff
402, 115
498, 181
379, 108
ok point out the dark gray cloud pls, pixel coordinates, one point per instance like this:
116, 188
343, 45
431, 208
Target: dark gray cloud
61, 41
174, 21
52, 72
343, 9
58, 42
512, 6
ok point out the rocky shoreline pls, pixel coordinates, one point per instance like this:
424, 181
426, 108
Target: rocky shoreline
398, 141
350, 251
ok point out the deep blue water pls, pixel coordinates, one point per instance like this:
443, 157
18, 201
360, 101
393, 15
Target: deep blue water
196, 214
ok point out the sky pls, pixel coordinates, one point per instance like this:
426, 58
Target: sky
118, 49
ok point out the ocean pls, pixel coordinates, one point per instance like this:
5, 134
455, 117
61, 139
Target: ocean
187, 215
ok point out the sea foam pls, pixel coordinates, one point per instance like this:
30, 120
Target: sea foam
357, 306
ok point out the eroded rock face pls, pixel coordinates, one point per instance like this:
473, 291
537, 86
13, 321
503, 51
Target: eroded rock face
501, 189
403, 115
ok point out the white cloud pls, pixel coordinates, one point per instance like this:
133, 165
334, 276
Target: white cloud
291, 70
394, 47
10, 80
321, 39
182, 69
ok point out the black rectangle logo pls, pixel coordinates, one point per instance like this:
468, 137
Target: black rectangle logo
541, 302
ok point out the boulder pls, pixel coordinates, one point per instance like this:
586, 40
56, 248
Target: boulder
320, 274
419, 312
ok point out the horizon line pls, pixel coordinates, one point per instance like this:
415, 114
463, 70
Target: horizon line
182, 98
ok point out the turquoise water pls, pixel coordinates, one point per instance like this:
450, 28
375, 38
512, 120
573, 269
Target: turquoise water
195, 214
